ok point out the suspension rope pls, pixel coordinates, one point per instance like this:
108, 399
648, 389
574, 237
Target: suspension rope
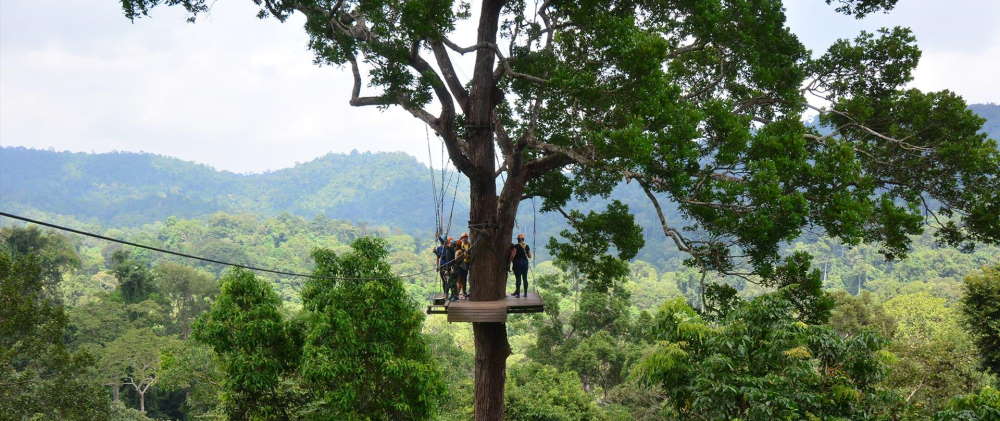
454, 195
430, 166
534, 232
219, 262
444, 166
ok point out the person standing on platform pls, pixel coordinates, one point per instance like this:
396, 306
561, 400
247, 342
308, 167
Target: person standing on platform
464, 259
445, 258
518, 261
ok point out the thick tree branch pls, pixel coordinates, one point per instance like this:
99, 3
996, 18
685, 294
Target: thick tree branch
503, 67
545, 164
443, 124
448, 72
360, 101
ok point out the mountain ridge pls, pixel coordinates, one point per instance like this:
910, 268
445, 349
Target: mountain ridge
391, 189
130, 188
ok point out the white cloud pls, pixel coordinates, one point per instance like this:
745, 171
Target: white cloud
231, 91
960, 39
242, 94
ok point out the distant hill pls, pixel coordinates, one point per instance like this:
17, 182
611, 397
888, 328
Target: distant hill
991, 112
126, 189
385, 189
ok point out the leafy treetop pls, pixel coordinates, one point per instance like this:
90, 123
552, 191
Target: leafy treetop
698, 101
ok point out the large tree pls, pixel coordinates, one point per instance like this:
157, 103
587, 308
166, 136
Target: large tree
760, 363
981, 310
133, 360
698, 101
363, 357
40, 377
257, 349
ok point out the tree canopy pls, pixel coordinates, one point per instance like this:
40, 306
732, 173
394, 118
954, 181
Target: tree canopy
363, 355
40, 377
699, 102
981, 309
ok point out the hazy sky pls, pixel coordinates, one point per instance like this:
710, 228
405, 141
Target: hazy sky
242, 94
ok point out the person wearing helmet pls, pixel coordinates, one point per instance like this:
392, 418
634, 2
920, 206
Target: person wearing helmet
445, 257
463, 258
518, 261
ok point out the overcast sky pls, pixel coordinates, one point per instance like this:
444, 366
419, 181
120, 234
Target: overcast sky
243, 95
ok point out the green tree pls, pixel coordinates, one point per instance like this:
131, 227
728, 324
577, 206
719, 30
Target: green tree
853, 314
97, 322
40, 378
588, 326
637, 401
542, 393
981, 406
456, 369
760, 363
120, 412
699, 102
981, 311
192, 367
135, 280
363, 354
257, 349
187, 293
936, 358
133, 360
54, 252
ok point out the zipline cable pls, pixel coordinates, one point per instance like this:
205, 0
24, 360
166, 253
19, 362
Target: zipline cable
218, 262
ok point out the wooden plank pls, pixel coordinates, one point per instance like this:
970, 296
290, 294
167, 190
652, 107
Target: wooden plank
485, 311
477, 314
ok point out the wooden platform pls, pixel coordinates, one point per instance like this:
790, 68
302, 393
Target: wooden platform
485, 311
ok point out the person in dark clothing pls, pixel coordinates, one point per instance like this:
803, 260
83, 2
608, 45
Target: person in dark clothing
518, 261
445, 258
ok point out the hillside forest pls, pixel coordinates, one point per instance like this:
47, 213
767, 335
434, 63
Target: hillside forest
106, 331
726, 225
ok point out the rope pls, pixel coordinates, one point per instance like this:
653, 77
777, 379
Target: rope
454, 194
219, 262
447, 229
430, 166
534, 231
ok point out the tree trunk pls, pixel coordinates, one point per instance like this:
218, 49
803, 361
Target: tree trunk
488, 274
142, 402
492, 351
115, 392
490, 220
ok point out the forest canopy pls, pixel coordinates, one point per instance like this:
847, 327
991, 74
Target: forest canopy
786, 291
